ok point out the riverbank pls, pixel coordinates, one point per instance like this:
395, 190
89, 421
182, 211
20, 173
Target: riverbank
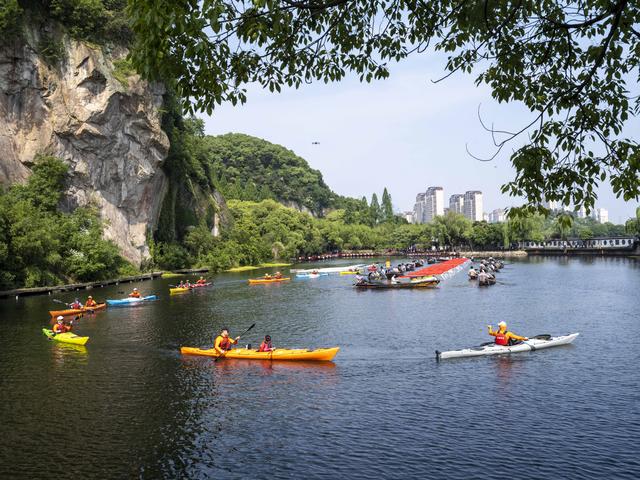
23, 292
495, 254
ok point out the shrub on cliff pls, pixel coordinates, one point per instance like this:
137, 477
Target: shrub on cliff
40, 245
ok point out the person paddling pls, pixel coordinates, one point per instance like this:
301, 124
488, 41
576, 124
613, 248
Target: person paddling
503, 336
76, 305
266, 345
201, 281
278, 276
135, 293
60, 327
90, 302
223, 342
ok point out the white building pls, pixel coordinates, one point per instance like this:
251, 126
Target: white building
456, 203
473, 205
552, 205
581, 212
434, 203
601, 215
497, 216
418, 209
408, 216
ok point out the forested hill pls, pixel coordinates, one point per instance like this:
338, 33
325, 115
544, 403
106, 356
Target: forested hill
249, 168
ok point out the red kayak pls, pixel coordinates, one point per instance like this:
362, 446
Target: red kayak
198, 285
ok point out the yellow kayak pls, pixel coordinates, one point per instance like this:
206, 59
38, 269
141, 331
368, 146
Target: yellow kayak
67, 337
320, 354
348, 272
268, 280
179, 290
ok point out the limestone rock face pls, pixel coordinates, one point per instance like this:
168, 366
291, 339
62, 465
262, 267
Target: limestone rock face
107, 132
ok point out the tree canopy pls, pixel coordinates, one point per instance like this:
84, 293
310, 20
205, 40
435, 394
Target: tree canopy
573, 65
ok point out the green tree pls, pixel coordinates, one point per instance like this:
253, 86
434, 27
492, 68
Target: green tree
375, 212
387, 207
572, 65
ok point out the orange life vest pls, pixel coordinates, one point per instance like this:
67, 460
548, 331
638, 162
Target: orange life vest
265, 347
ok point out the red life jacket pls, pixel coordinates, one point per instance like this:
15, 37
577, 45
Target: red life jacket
502, 339
225, 343
265, 347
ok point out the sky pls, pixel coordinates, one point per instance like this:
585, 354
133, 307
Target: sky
405, 133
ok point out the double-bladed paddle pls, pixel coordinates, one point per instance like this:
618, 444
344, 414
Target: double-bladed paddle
239, 336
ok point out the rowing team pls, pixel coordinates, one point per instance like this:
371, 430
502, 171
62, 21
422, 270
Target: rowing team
188, 284
276, 276
77, 305
223, 342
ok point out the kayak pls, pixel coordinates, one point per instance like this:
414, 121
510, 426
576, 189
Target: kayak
200, 285
319, 355
253, 281
77, 311
67, 337
125, 302
327, 269
349, 272
535, 343
179, 290
311, 275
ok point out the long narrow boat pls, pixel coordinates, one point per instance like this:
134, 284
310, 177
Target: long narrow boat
77, 311
311, 275
200, 285
427, 282
255, 281
534, 343
128, 302
319, 355
67, 337
328, 269
175, 290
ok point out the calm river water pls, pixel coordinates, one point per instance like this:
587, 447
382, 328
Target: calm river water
130, 406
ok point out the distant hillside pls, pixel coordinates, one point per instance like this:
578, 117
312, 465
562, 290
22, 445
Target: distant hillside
249, 168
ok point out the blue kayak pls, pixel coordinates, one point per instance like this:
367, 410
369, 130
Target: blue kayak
127, 302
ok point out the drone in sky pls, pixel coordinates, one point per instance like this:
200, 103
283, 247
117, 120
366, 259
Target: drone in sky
315, 143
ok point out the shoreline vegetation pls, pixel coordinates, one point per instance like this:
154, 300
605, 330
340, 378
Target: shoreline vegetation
246, 268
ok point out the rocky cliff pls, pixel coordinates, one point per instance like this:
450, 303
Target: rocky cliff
105, 124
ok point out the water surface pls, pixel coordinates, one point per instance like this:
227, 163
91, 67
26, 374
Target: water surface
130, 406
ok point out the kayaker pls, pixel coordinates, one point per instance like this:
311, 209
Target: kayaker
90, 302
60, 327
76, 305
267, 276
223, 342
201, 281
278, 275
135, 293
503, 336
266, 346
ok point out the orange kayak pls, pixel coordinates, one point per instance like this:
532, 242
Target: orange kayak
268, 280
77, 311
318, 355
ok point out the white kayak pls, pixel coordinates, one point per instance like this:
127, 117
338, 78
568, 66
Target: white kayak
535, 343
328, 269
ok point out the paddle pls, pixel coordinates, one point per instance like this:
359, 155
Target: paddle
243, 334
60, 302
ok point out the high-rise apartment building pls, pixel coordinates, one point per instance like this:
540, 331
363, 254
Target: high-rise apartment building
497, 216
434, 203
473, 205
456, 203
601, 215
418, 208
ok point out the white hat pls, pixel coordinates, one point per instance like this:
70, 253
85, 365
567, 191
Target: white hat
502, 324
60, 317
